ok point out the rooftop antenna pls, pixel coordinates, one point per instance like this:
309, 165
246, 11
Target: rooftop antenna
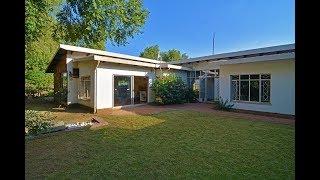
214, 34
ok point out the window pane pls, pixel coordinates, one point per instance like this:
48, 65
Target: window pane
84, 88
265, 91
254, 76
234, 77
265, 76
197, 73
190, 74
234, 90
244, 76
254, 91
244, 90
191, 82
87, 89
196, 85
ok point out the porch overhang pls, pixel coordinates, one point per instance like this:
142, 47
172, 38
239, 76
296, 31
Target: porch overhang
55, 60
130, 62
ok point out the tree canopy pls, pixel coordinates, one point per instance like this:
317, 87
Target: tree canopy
87, 23
152, 52
90, 23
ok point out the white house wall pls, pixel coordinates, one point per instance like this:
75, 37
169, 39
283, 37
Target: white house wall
72, 83
105, 73
282, 85
86, 68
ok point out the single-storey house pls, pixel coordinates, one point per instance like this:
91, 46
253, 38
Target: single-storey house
260, 79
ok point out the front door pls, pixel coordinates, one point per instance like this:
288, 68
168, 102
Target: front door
122, 90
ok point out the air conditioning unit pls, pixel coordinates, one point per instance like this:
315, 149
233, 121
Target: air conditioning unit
143, 96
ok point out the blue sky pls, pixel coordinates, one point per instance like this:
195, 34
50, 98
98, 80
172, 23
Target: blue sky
189, 26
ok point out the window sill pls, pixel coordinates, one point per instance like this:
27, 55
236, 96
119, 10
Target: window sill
251, 102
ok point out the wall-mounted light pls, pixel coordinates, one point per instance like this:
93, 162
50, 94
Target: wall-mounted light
70, 74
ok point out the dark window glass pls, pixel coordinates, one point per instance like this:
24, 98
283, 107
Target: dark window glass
197, 73
75, 72
244, 90
234, 77
254, 76
254, 90
244, 76
265, 76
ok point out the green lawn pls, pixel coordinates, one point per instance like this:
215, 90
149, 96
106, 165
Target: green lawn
172, 144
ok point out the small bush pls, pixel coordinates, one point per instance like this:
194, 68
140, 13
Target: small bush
37, 122
191, 95
169, 89
224, 105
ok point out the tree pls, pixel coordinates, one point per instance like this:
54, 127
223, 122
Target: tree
171, 55
40, 46
90, 23
184, 56
38, 56
87, 23
151, 52
37, 16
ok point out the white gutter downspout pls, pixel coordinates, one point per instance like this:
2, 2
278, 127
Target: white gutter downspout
95, 88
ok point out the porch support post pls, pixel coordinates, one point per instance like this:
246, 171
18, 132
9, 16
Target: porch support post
70, 81
95, 103
205, 87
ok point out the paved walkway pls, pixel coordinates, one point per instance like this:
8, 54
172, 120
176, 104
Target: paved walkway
200, 107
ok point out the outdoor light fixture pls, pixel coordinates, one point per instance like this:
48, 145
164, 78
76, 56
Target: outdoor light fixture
70, 74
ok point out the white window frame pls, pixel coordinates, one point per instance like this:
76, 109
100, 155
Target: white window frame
194, 77
239, 90
84, 95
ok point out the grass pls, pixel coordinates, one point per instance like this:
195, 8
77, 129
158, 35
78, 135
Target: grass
68, 116
172, 144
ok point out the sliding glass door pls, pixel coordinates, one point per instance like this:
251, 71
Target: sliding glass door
129, 90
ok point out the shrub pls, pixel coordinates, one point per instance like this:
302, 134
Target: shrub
37, 122
224, 105
169, 89
191, 95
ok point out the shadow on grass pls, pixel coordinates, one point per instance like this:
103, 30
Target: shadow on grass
170, 144
53, 107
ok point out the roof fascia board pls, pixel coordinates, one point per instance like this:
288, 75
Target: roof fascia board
171, 66
124, 61
52, 59
273, 57
240, 53
129, 62
105, 53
